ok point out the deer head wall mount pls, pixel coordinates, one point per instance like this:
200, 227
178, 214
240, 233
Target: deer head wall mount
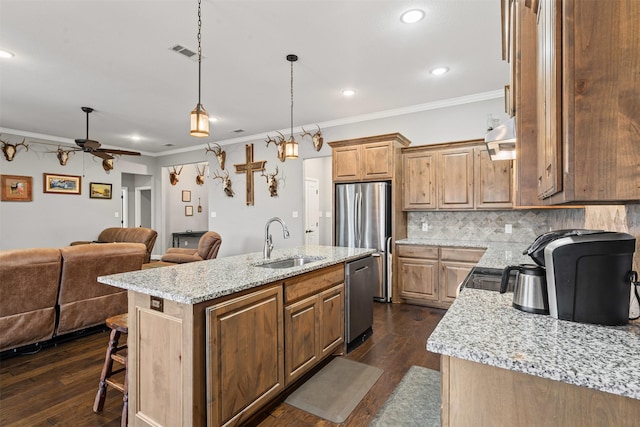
200, 175
272, 182
226, 183
173, 175
218, 152
279, 143
316, 138
10, 150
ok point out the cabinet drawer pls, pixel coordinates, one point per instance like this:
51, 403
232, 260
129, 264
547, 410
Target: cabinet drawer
461, 254
308, 284
418, 251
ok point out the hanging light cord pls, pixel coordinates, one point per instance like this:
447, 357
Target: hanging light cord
199, 51
292, 100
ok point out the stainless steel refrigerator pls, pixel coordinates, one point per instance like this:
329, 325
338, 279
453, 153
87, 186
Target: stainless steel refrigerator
363, 220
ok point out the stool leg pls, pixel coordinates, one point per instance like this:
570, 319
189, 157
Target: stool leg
98, 404
125, 398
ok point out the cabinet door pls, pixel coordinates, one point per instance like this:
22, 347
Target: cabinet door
302, 344
493, 181
331, 327
452, 274
377, 161
455, 179
419, 181
245, 358
418, 278
346, 163
549, 99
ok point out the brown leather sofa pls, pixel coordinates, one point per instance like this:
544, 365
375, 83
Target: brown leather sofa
47, 293
208, 248
147, 236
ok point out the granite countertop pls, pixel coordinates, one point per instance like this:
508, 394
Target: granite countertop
497, 255
201, 281
482, 326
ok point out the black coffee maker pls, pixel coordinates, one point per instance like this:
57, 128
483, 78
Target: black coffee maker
588, 274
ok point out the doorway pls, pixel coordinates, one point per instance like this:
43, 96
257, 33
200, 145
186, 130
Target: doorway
143, 204
311, 211
124, 208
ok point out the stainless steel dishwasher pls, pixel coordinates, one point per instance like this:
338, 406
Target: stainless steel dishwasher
361, 280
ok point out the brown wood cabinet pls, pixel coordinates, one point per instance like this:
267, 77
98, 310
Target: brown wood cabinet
366, 159
455, 176
313, 319
586, 92
430, 275
245, 361
219, 362
475, 394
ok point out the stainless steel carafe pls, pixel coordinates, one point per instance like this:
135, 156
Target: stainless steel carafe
530, 288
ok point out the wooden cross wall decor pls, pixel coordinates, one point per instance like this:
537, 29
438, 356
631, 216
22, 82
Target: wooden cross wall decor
248, 168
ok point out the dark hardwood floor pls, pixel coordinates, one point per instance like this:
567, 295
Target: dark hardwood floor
57, 386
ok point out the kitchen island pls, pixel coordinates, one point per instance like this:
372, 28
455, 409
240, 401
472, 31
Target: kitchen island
503, 367
212, 342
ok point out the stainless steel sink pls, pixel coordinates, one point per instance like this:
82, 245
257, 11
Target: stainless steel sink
294, 261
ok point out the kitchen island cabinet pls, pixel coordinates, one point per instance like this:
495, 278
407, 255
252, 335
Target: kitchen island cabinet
501, 366
209, 342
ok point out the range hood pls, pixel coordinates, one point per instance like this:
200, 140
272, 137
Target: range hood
501, 141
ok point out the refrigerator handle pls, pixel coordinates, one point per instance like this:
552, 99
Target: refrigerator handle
389, 270
358, 218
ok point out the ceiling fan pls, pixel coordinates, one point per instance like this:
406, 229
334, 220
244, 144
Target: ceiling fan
90, 146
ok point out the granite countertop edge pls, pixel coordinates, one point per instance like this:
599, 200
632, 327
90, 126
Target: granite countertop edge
202, 281
497, 255
498, 335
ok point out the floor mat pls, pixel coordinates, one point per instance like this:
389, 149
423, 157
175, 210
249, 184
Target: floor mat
414, 402
335, 390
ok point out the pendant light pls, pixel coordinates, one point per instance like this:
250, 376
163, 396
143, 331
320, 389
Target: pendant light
199, 116
291, 146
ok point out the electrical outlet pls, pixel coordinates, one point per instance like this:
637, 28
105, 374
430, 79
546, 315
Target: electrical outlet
425, 226
294, 214
116, 214
327, 214
508, 228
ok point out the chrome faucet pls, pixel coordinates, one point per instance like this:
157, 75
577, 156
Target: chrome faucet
268, 242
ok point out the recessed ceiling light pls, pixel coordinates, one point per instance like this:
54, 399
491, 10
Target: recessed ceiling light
412, 16
348, 92
213, 119
6, 54
439, 71
135, 137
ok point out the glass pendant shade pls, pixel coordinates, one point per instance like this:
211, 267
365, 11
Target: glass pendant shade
199, 122
291, 149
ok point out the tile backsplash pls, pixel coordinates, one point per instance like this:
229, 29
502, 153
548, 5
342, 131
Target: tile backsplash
525, 224
479, 225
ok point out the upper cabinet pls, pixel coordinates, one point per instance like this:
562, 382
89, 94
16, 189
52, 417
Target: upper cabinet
455, 176
583, 135
366, 159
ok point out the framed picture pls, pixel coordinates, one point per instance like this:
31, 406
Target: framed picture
62, 184
186, 195
98, 190
188, 210
16, 188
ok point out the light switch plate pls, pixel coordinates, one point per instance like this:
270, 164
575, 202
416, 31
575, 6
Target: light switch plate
116, 214
327, 214
213, 214
425, 226
294, 214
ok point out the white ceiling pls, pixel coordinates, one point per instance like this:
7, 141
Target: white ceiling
114, 56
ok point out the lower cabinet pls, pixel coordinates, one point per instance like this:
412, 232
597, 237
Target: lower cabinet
430, 275
245, 360
313, 319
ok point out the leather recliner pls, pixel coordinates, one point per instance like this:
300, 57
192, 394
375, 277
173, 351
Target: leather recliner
208, 248
146, 236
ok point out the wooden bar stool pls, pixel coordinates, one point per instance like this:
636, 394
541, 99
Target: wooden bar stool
119, 325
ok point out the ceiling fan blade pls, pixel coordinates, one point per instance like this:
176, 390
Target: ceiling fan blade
88, 144
108, 150
102, 155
